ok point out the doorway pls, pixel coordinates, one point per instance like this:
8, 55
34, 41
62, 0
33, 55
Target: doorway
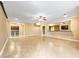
14, 31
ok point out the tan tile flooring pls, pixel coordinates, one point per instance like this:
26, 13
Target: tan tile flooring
40, 47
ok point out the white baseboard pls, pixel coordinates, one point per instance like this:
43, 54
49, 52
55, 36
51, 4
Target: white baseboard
24, 36
63, 38
2, 50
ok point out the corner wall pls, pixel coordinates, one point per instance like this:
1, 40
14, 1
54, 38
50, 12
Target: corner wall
3, 28
75, 27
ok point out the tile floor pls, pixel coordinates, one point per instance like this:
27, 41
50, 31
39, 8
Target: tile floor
40, 47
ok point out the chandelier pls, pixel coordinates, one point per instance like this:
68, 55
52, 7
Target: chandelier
41, 18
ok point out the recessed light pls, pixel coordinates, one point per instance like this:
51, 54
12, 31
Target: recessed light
38, 23
65, 15
51, 24
16, 19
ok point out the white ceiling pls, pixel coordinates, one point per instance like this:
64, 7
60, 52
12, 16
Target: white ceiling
26, 11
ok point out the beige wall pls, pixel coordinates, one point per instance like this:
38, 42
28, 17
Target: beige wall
26, 29
30, 29
3, 28
75, 27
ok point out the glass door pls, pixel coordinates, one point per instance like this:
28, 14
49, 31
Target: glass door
14, 31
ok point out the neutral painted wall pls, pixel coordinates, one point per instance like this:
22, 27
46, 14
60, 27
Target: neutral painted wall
75, 27
26, 29
30, 29
3, 28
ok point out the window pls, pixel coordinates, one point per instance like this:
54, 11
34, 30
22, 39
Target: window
14, 30
64, 27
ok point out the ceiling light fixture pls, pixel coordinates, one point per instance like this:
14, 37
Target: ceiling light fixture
65, 15
16, 19
38, 23
51, 24
42, 18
